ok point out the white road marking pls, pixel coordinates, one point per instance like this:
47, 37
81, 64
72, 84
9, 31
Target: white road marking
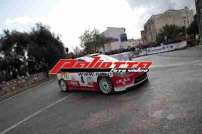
33, 115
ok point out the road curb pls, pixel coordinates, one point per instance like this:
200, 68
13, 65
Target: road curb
12, 93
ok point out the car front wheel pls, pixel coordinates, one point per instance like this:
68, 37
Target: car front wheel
62, 85
105, 85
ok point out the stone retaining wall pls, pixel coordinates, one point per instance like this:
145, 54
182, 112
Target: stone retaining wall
17, 85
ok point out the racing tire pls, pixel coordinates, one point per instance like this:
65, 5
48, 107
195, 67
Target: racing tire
62, 85
105, 85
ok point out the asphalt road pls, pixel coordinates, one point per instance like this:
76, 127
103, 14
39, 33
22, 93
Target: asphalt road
170, 103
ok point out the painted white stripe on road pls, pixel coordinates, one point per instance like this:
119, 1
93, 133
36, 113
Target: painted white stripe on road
32, 115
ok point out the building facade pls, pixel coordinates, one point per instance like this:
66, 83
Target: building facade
118, 35
120, 40
199, 17
131, 43
152, 27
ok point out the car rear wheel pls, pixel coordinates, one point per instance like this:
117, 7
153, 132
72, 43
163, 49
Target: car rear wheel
62, 85
105, 85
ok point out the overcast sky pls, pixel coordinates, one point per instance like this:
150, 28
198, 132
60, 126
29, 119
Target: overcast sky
70, 18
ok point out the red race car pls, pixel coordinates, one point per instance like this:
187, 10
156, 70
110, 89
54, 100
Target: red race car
94, 81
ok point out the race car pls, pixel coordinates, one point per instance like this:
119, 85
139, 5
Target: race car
95, 81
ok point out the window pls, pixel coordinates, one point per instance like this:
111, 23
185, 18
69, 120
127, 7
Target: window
123, 37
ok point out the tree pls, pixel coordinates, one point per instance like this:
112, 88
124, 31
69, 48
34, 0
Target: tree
170, 33
14, 39
88, 41
92, 41
14, 45
193, 28
49, 46
33, 52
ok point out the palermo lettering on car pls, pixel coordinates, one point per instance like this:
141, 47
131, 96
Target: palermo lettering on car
97, 63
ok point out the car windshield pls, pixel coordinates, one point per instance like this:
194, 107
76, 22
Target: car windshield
85, 58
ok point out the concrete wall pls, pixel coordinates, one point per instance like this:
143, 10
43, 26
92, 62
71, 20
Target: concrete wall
121, 45
112, 46
18, 85
152, 50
